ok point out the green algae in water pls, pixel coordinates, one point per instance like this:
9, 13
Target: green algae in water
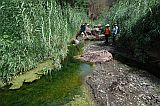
31, 75
56, 89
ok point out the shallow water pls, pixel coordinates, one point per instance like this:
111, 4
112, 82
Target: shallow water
56, 89
85, 69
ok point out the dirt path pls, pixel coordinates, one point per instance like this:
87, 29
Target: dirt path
115, 84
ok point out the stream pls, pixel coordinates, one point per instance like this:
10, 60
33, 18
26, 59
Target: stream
63, 87
110, 83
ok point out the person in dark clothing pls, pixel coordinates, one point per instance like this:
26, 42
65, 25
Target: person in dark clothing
82, 30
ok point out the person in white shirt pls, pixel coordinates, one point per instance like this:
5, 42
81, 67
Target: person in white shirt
114, 32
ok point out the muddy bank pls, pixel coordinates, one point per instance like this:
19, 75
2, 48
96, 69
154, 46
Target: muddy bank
116, 84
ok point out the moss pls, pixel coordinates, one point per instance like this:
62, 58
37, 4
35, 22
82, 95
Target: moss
81, 100
31, 75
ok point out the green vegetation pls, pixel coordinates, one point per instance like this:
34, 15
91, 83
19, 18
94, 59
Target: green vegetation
139, 22
63, 87
32, 75
82, 100
33, 31
77, 3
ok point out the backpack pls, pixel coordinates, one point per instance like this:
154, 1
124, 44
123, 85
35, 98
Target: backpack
118, 31
83, 28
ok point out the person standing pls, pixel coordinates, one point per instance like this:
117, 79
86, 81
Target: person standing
114, 32
107, 33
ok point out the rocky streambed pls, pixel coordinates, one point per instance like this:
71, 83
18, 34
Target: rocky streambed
116, 84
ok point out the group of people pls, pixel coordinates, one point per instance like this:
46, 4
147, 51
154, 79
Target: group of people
85, 31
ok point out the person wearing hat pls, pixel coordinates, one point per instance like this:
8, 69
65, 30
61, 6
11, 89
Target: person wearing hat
107, 32
88, 29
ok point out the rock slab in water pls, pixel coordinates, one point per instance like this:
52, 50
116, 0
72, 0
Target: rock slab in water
96, 56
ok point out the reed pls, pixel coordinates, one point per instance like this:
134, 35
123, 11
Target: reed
32, 31
132, 17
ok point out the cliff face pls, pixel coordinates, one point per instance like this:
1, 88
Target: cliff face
96, 7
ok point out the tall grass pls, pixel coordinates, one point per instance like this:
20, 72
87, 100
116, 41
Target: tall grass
32, 31
127, 13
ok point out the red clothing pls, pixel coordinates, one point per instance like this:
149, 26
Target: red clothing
107, 31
